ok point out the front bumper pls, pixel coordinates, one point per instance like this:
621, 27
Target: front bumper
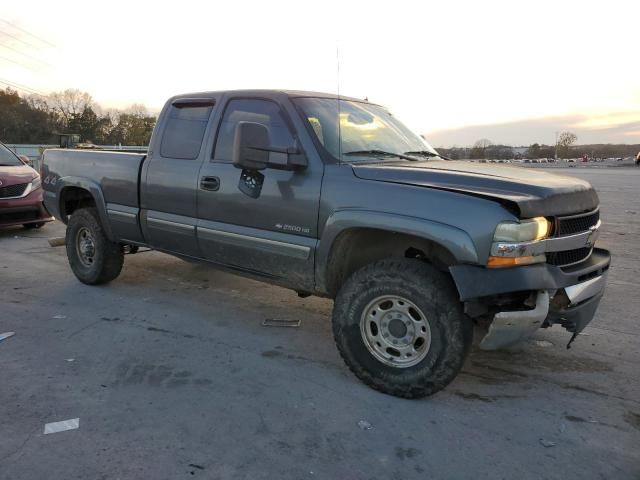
568, 296
20, 211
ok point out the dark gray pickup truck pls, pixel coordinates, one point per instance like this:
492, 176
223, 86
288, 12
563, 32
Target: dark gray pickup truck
335, 197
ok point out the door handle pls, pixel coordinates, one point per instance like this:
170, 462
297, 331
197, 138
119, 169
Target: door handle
210, 183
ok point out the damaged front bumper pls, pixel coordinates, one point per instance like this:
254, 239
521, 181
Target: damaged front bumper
568, 296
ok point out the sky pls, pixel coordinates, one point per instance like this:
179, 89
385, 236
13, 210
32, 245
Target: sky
456, 71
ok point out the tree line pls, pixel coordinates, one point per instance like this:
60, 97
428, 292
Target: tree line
39, 119
565, 148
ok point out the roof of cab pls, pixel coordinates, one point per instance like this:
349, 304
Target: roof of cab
266, 92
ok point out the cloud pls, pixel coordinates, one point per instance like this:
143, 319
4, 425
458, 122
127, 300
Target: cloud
618, 119
617, 127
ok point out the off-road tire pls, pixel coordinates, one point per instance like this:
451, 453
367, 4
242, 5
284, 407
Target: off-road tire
33, 226
431, 291
108, 257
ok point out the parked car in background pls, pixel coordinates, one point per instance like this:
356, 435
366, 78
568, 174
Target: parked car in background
20, 193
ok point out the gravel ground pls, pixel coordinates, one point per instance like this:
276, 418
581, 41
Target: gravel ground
172, 375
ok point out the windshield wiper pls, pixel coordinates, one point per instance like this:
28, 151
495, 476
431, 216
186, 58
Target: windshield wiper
380, 153
426, 153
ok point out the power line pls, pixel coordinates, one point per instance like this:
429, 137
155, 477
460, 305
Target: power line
17, 63
25, 54
10, 85
19, 39
21, 87
28, 33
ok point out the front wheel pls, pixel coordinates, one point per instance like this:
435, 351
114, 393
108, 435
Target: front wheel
400, 327
93, 258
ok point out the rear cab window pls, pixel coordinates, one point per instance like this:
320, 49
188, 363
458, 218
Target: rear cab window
184, 131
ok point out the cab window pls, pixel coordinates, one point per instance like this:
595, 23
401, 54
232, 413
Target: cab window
183, 134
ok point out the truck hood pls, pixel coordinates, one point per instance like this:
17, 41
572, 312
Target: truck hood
530, 191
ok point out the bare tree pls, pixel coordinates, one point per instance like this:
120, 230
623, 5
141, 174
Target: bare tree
70, 103
137, 110
533, 151
565, 140
479, 149
37, 102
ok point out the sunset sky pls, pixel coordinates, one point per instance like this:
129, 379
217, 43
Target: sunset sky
453, 70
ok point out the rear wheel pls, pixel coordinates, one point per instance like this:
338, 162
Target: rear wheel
400, 327
93, 258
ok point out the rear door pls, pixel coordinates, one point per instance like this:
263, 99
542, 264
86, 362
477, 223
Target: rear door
271, 230
169, 181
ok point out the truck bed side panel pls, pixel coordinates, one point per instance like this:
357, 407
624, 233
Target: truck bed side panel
114, 174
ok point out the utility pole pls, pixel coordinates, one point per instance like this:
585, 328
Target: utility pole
556, 156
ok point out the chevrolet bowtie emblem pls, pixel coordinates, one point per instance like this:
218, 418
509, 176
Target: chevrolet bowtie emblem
590, 242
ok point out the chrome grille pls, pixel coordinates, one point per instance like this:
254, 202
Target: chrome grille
11, 191
576, 223
572, 225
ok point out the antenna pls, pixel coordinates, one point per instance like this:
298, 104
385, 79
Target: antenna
339, 102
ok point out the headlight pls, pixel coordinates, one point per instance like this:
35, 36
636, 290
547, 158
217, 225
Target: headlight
525, 231
522, 232
36, 183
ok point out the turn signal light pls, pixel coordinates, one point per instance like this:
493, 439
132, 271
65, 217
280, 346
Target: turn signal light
499, 262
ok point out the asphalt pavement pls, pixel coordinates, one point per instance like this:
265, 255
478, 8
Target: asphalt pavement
172, 375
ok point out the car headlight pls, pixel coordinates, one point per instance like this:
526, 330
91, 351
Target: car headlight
525, 231
513, 233
36, 183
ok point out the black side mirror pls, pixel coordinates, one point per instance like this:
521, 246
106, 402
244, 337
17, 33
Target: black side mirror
251, 146
252, 150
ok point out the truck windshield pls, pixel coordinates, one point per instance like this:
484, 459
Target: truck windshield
7, 158
363, 131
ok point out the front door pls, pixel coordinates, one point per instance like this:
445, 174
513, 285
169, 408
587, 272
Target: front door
264, 222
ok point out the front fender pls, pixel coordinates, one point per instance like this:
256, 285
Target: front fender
96, 192
455, 240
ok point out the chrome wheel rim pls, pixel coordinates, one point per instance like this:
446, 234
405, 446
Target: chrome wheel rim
395, 331
85, 246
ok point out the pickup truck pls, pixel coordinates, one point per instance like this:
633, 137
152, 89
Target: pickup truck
333, 196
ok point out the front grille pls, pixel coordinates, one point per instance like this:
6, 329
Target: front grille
13, 190
568, 257
576, 223
572, 225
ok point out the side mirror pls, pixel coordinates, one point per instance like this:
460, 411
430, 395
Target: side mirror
26, 160
252, 150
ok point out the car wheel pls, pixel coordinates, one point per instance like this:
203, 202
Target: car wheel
400, 327
94, 259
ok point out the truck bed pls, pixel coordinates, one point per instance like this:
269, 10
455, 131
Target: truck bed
117, 173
